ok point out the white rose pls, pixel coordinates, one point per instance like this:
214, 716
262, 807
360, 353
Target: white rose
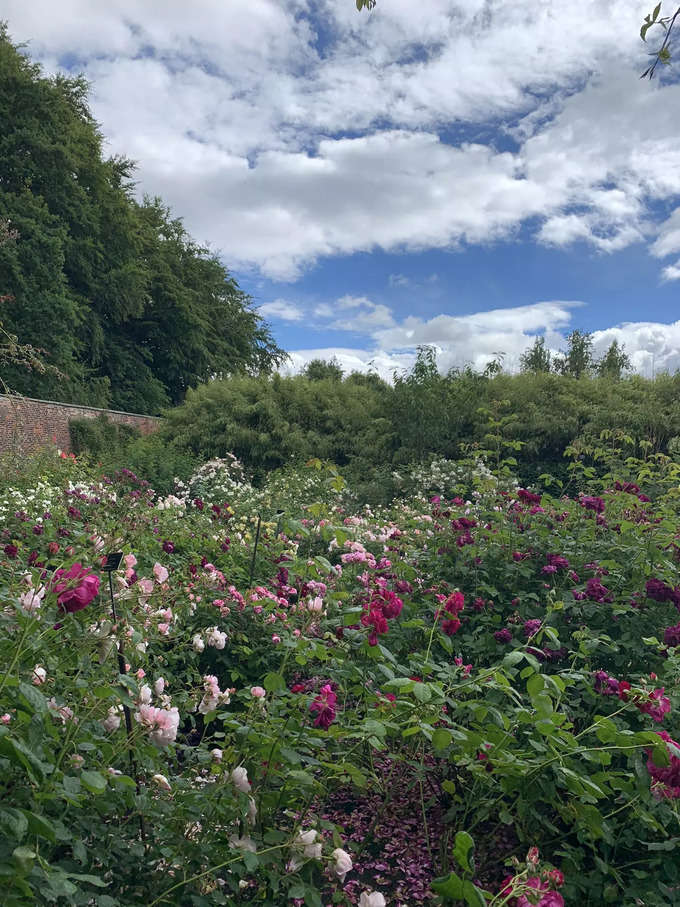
162, 782
306, 839
240, 778
372, 899
197, 643
343, 863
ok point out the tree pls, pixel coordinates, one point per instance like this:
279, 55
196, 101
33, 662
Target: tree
537, 358
614, 362
320, 369
578, 360
118, 294
14, 354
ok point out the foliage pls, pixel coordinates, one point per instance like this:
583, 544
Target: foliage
116, 292
663, 53
99, 436
371, 429
456, 700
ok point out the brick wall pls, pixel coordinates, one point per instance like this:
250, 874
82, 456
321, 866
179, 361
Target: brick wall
27, 424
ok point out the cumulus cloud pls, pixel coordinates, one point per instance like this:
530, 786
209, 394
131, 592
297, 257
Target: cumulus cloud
288, 130
671, 272
668, 239
477, 338
350, 359
652, 347
281, 309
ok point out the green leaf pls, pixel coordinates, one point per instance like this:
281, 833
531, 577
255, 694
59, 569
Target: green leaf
454, 888
251, 860
20, 754
93, 781
24, 856
273, 682
535, 685
422, 692
33, 697
91, 880
39, 825
13, 823
441, 738
462, 850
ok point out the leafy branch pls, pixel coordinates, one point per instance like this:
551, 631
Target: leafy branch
662, 54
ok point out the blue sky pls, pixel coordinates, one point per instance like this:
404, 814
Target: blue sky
461, 174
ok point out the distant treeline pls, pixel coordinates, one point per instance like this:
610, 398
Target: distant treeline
115, 293
370, 428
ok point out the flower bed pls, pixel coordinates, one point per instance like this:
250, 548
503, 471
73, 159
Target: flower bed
464, 699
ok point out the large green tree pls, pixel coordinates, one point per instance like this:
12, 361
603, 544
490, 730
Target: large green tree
116, 292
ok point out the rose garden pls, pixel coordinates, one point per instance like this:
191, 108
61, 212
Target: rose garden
466, 697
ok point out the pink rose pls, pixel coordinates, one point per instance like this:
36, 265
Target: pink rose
75, 588
160, 573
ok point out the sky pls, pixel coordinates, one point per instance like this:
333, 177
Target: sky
466, 174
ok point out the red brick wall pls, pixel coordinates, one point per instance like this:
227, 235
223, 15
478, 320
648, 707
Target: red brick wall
27, 424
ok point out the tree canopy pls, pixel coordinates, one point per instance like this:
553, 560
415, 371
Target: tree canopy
124, 302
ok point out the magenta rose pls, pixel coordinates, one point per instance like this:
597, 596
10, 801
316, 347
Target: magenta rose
75, 588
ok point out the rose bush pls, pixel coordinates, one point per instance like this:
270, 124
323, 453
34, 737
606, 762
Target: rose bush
323, 705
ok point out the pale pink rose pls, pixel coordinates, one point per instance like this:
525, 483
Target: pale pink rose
276, 639
145, 694
159, 686
162, 724
39, 675
197, 643
130, 561
214, 637
6, 718
146, 586
258, 692
60, 711
164, 629
112, 720
160, 573
32, 600
139, 674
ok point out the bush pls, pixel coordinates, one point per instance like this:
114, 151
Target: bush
100, 437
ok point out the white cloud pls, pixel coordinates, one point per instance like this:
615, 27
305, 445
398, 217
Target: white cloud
476, 338
671, 272
239, 116
352, 360
668, 239
366, 316
653, 347
281, 309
